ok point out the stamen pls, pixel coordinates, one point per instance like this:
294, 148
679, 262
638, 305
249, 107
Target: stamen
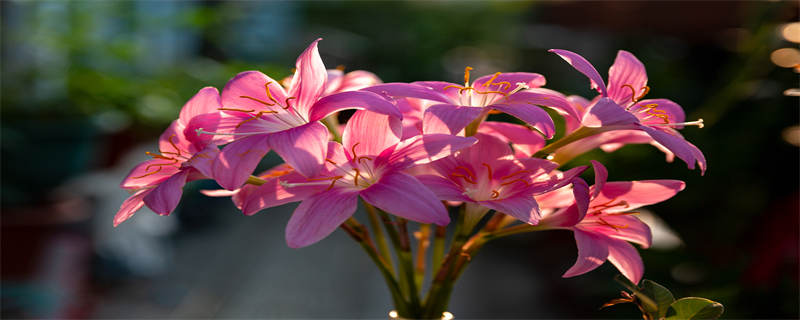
613, 226
269, 94
468, 171
501, 83
698, 123
515, 181
513, 174
460, 88
147, 174
466, 76
256, 116
233, 109
147, 168
158, 156
646, 89
487, 92
362, 158
355, 179
353, 150
173, 145
201, 131
633, 91
466, 178
340, 67
287, 103
495, 194
331, 161
489, 168
521, 86
257, 100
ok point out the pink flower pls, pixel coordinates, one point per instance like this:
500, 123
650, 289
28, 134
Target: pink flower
454, 106
338, 81
264, 116
182, 157
603, 224
487, 174
620, 106
369, 163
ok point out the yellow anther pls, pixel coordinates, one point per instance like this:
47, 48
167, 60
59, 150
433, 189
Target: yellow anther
254, 99
495, 194
287, 102
466, 76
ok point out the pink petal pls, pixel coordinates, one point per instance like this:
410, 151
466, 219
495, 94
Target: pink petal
369, 133
318, 216
600, 177
218, 193
410, 90
626, 70
508, 81
172, 142
403, 195
164, 198
606, 113
360, 100
521, 206
236, 162
251, 84
525, 141
555, 199
580, 189
631, 229
203, 161
592, 252
532, 115
309, 79
149, 173
130, 206
448, 118
358, 79
637, 193
579, 63
684, 150
423, 149
443, 188
304, 147
272, 194
207, 100
580, 104
544, 97
625, 257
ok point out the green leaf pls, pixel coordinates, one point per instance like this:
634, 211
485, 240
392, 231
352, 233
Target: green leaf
691, 308
660, 295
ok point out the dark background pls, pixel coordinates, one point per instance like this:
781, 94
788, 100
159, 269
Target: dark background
88, 86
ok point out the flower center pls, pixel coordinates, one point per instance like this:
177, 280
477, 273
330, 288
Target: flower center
174, 157
492, 188
471, 96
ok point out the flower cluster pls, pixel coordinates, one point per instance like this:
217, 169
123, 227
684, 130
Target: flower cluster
414, 149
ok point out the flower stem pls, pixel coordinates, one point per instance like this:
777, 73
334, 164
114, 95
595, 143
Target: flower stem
332, 122
439, 238
423, 237
442, 284
578, 134
360, 234
383, 248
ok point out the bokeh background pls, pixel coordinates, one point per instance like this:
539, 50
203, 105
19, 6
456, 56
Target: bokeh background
88, 86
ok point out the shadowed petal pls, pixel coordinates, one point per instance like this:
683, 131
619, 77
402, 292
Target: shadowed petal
544, 97
448, 118
683, 149
600, 177
203, 161
579, 63
304, 147
423, 149
525, 142
360, 100
592, 252
673, 112
404, 196
371, 133
532, 115
626, 70
606, 113
130, 206
443, 188
164, 198
237, 161
521, 206
319, 215
625, 257
308, 81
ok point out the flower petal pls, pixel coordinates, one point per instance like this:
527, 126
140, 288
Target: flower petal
368, 133
606, 113
521, 206
683, 149
207, 100
626, 71
443, 188
149, 173
524, 141
304, 147
627, 260
404, 196
637, 193
164, 198
356, 80
237, 161
583, 66
360, 100
592, 252
600, 177
532, 115
423, 149
630, 228
448, 118
411, 90
203, 161
252, 84
544, 97
507, 81
309, 79
130, 206
272, 194
661, 107
319, 215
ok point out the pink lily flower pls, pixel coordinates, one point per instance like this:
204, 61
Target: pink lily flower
338, 81
620, 106
488, 175
369, 163
263, 116
601, 219
455, 106
182, 157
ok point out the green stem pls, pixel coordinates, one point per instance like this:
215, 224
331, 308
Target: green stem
359, 233
442, 284
439, 238
404, 263
423, 237
383, 248
578, 134
332, 122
